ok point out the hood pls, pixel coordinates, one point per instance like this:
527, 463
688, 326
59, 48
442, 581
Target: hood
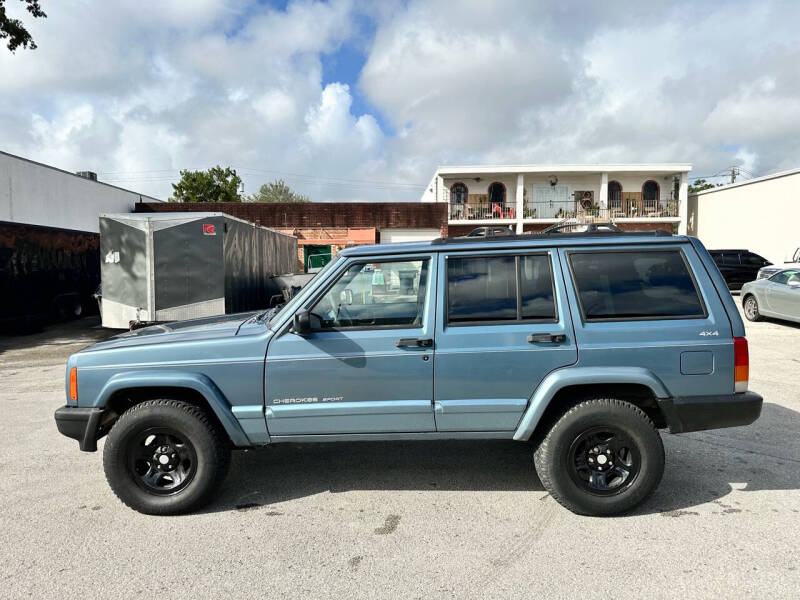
178, 331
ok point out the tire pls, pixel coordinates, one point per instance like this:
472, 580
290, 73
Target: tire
751, 311
580, 437
165, 457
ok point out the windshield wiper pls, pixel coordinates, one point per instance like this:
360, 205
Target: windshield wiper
267, 314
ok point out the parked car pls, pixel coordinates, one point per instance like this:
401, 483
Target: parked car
793, 263
584, 345
582, 228
778, 296
738, 266
490, 231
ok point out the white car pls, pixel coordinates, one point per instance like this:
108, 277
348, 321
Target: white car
770, 270
777, 297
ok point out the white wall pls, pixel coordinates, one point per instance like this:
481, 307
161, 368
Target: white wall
630, 182
39, 195
763, 217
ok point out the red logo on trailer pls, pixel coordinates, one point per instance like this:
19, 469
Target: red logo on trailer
209, 229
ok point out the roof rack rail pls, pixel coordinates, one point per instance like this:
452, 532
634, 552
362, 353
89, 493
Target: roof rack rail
554, 234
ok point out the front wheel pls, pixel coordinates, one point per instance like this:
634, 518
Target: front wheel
165, 457
602, 457
751, 309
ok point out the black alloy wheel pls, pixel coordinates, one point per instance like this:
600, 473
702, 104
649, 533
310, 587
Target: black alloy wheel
602, 456
604, 461
161, 460
166, 457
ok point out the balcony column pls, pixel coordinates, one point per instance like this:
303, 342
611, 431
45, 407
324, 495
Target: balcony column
520, 198
683, 204
602, 201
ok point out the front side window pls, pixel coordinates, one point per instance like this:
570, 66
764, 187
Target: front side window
786, 277
379, 294
635, 285
484, 289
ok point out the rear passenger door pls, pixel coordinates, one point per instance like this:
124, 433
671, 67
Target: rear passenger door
502, 324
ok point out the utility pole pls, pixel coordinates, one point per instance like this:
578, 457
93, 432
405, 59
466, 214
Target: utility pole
734, 173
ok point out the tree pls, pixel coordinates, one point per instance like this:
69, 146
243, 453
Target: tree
14, 30
215, 185
277, 191
701, 184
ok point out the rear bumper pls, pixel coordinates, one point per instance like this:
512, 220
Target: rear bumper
697, 413
80, 424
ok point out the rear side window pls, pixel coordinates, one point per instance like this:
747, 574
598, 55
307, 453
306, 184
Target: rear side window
731, 259
536, 288
481, 289
753, 259
635, 285
500, 289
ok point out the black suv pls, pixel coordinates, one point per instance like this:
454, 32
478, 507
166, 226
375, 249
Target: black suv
738, 266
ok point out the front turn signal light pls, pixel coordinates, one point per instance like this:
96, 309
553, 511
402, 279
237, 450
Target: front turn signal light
73, 384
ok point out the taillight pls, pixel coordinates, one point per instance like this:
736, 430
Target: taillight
741, 364
73, 384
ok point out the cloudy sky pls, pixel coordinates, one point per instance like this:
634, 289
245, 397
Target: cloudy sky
360, 100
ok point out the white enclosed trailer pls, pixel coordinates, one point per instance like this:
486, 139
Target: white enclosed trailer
175, 266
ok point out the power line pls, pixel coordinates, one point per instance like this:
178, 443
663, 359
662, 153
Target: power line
155, 175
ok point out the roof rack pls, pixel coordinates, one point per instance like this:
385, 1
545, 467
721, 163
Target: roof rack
554, 235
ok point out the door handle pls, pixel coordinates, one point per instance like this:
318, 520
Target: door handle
549, 338
414, 343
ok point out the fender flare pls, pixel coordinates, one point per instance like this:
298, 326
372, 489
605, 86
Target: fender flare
561, 378
177, 379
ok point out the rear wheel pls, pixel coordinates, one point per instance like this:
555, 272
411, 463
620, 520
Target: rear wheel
751, 309
165, 457
602, 457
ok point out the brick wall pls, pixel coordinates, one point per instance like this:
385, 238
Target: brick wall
379, 215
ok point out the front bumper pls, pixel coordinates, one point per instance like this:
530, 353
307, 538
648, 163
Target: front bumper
80, 423
697, 413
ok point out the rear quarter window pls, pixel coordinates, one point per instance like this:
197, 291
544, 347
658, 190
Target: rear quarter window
619, 285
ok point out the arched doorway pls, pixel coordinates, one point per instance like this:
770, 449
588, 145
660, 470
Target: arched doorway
497, 199
651, 192
615, 199
458, 200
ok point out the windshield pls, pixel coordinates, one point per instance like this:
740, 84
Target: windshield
298, 298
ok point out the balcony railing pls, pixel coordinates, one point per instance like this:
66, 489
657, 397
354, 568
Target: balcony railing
621, 209
628, 205
482, 210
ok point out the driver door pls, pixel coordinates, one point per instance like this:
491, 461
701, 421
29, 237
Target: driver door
783, 294
366, 366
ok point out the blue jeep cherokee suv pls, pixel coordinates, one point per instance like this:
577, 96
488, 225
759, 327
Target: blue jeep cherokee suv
584, 345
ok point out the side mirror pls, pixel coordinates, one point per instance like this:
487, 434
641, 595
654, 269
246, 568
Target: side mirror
794, 284
346, 297
302, 322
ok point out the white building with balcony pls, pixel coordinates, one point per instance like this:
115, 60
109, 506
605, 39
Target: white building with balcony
534, 197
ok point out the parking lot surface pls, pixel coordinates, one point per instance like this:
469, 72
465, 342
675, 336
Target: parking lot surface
400, 520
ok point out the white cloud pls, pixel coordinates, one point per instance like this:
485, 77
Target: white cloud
115, 87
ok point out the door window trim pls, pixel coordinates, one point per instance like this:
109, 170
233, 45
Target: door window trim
519, 320
568, 254
363, 261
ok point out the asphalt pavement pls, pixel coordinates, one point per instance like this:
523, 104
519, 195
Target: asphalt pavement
399, 520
